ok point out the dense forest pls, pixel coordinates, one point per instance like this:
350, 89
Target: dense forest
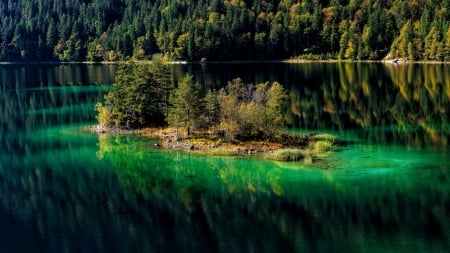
97, 30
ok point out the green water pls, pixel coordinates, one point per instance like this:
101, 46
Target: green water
386, 189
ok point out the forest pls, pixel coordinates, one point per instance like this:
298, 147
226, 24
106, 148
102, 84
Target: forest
111, 30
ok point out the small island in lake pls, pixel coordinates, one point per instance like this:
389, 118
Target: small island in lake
239, 119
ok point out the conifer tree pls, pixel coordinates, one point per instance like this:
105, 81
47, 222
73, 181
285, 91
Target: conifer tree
219, 30
184, 106
138, 98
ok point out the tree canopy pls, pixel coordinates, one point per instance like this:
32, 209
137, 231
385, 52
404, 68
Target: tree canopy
184, 109
98, 30
142, 96
138, 98
249, 111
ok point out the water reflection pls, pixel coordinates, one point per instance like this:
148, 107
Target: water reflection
66, 191
137, 199
385, 103
275, 207
379, 102
34, 97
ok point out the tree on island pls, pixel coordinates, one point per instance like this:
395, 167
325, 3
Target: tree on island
138, 98
237, 111
248, 111
210, 116
184, 110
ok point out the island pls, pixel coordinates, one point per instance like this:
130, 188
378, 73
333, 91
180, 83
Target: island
239, 119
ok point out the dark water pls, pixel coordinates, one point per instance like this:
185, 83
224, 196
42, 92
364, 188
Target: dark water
386, 190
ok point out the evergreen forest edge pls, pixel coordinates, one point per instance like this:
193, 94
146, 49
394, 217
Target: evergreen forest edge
111, 30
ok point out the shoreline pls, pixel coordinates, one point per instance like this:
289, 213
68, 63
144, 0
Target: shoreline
180, 62
289, 147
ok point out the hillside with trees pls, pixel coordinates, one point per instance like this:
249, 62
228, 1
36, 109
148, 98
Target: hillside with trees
98, 30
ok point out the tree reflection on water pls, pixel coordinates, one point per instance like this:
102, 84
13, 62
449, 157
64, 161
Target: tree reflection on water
403, 104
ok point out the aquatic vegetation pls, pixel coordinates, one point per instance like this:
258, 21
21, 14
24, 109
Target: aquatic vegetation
286, 155
323, 146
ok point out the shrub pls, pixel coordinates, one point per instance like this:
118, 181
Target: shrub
287, 155
323, 146
104, 115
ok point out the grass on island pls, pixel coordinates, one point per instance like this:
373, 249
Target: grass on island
288, 147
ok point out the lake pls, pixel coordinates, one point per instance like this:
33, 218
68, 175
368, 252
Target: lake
386, 189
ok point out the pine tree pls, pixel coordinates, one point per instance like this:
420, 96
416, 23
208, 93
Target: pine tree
184, 106
210, 110
138, 98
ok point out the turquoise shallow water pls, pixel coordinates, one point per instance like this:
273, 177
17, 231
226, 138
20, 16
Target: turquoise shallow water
386, 189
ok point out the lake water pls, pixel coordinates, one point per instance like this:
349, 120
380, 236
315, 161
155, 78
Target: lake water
386, 189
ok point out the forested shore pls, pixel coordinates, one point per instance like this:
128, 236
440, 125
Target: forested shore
101, 30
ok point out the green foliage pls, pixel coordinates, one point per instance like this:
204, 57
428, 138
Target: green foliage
138, 98
274, 116
228, 99
184, 111
323, 146
210, 115
104, 115
238, 111
98, 30
248, 111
